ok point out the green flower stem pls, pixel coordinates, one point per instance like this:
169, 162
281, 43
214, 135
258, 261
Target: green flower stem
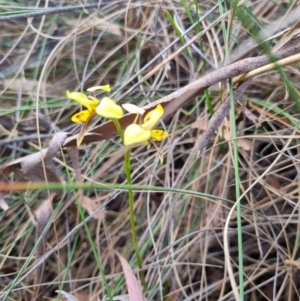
127, 167
238, 194
132, 219
119, 129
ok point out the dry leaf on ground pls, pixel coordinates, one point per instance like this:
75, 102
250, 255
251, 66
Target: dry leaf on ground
31, 166
91, 207
3, 204
134, 289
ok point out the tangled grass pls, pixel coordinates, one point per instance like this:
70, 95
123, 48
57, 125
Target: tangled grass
137, 48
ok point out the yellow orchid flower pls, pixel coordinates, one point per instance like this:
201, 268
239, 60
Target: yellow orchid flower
152, 118
109, 109
135, 133
81, 117
91, 103
159, 135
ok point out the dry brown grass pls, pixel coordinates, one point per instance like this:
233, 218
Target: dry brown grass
181, 235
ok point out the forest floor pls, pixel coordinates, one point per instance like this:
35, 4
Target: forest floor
216, 217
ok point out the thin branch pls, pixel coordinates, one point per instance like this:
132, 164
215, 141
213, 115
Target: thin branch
219, 116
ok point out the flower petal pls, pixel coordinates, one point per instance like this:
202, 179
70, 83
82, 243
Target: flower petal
134, 134
153, 117
159, 135
129, 107
83, 100
109, 109
82, 116
94, 102
105, 88
78, 97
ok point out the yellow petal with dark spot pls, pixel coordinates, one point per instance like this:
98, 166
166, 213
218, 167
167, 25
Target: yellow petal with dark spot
82, 116
159, 135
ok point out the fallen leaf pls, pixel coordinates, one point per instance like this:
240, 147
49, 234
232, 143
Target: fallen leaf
43, 216
29, 163
42, 174
82, 297
91, 207
200, 124
273, 181
241, 142
134, 289
3, 204
31, 160
249, 115
7, 122
244, 143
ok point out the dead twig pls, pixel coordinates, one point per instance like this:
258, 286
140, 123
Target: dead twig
219, 116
